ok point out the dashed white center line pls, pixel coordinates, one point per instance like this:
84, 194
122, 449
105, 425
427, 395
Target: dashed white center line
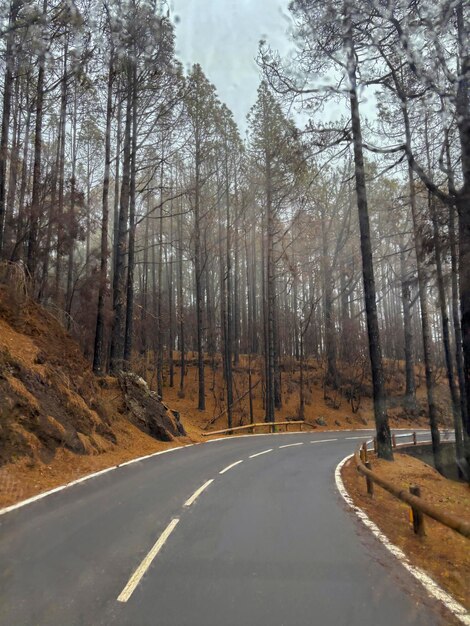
323, 440
198, 492
260, 453
226, 469
136, 577
290, 445
354, 437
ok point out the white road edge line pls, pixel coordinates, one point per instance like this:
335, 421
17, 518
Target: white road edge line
44, 494
432, 588
289, 445
324, 440
226, 469
136, 577
260, 453
198, 492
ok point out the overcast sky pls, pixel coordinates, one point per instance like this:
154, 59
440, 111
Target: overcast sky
223, 36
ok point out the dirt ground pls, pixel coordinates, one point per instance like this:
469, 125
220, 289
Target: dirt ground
330, 407
443, 553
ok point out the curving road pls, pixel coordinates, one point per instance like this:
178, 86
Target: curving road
269, 542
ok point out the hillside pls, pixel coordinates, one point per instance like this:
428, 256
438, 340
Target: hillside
57, 420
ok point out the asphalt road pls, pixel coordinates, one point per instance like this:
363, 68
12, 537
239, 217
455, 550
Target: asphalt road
268, 543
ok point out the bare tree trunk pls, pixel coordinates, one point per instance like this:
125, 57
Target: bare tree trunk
117, 332
446, 332
37, 167
159, 289
15, 6
270, 297
463, 199
129, 331
228, 293
18, 250
181, 338
235, 317
198, 278
410, 389
331, 377
116, 185
61, 180
384, 444
73, 228
171, 321
98, 353
425, 323
13, 175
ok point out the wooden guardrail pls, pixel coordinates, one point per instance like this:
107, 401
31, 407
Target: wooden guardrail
419, 507
270, 425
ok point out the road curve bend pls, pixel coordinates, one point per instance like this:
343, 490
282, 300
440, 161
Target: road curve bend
244, 531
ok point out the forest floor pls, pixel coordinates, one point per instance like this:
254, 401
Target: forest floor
443, 553
325, 409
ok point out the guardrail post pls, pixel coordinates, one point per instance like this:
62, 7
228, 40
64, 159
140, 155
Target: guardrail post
364, 451
417, 516
300, 426
375, 445
414, 438
369, 482
394, 441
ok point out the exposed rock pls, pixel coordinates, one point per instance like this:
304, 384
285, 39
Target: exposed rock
146, 410
320, 421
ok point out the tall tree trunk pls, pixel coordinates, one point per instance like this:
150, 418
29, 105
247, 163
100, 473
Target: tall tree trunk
37, 167
331, 377
129, 331
18, 251
13, 175
61, 178
72, 218
410, 389
459, 359
15, 6
270, 297
198, 267
181, 337
98, 353
118, 327
117, 181
446, 331
463, 199
425, 322
228, 293
384, 444
160, 282
171, 321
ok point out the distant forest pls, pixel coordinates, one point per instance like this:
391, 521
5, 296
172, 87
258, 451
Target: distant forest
132, 207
